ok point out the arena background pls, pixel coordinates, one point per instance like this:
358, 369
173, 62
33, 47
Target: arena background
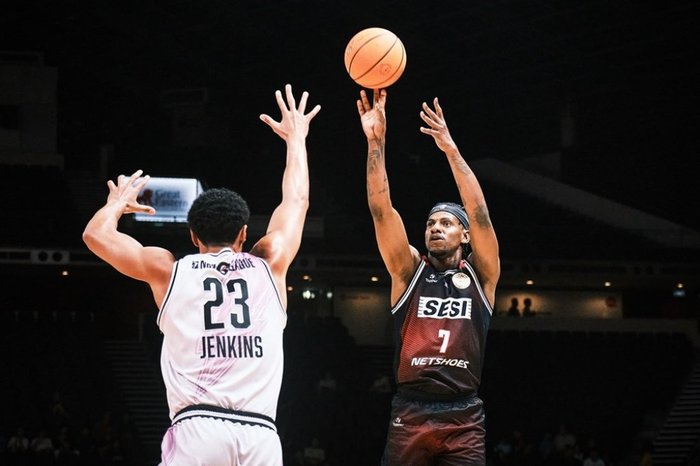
581, 120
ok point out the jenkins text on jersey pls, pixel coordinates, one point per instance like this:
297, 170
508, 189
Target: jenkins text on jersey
231, 346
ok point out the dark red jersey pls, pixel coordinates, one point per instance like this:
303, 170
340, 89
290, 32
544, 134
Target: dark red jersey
440, 325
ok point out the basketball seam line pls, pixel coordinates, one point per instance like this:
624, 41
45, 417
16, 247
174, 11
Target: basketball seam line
403, 57
403, 53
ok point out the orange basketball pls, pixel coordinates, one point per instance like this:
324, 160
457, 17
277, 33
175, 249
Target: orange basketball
375, 58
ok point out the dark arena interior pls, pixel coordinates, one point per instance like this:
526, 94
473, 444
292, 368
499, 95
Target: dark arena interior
579, 118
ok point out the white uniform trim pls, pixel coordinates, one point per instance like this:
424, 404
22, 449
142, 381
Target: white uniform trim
410, 286
168, 293
478, 286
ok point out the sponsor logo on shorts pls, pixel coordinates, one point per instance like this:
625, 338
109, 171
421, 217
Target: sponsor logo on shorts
397, 422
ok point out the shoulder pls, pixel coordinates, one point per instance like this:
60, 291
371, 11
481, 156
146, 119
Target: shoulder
250, 258
159, 259
267, 248
403, 279
410, 268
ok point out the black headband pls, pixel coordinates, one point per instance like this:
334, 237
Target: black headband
454, 209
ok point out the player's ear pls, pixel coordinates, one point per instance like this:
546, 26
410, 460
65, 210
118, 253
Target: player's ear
242, 235
466, 238
194, 239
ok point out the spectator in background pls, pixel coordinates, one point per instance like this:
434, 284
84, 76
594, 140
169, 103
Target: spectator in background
102, 431
527, 308
513, 310
41, 447
328, 383
381, 384
564, 440
523, 450
314, 453
646, 458
503, 452
18, 447
593, 459
86, 446
545, 446
58, 415
65, 452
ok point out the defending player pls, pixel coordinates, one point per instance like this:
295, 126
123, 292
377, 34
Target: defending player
441, 302
222, 310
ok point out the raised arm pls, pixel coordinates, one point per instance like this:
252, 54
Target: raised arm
398, 255
484, 243
281, 242
149, 264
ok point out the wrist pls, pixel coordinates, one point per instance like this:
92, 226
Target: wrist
117, 206
452, 151
296, 140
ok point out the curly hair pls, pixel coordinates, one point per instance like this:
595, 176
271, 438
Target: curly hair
217, 215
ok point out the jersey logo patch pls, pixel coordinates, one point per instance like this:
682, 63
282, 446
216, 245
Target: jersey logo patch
449, 308
223, 267
461, 280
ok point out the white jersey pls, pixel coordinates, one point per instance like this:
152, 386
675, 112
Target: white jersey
222, 322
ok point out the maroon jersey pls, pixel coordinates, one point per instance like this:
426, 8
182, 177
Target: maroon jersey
440, 325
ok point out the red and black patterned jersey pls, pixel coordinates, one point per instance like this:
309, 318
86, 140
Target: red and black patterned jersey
440, 325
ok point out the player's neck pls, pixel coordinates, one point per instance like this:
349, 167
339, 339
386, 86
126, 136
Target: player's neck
445, 263
235, 247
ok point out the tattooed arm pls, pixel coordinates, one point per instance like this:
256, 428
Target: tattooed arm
400, 258
484, 243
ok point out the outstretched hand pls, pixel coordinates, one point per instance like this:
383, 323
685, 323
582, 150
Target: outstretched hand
127, 190
294, 121
373, 117
435, 119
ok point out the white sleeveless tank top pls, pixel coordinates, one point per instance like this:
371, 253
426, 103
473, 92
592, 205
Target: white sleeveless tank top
222, 322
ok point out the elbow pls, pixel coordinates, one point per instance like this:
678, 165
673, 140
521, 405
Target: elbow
89, 237
381, 210
376, 212
297, 201
303, 202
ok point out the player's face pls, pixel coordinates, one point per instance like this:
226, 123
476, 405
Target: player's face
443, 234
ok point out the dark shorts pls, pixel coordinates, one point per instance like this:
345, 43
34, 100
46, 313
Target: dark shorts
436, 433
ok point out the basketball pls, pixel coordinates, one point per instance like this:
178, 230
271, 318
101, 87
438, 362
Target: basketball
375, 58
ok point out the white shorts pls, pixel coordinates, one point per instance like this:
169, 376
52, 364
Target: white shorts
206, 441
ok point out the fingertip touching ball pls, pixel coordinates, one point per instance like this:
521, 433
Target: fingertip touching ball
375, 58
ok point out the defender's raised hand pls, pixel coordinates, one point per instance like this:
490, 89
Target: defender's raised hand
294, 121
127, 190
